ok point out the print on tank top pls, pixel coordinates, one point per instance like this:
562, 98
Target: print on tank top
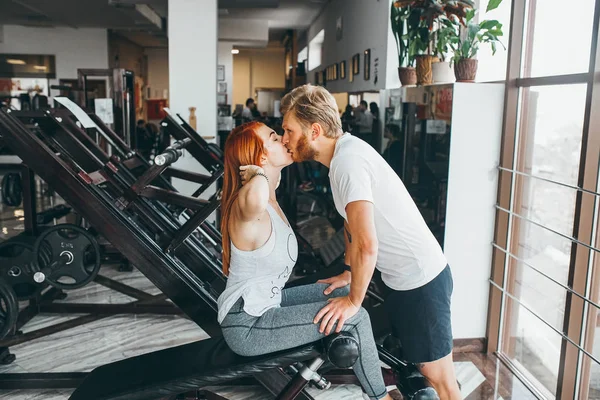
291, 242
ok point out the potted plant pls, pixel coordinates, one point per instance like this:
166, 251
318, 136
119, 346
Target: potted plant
466, 46
399, 15
442, 69
412, 23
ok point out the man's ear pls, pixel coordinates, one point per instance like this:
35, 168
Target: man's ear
316, 131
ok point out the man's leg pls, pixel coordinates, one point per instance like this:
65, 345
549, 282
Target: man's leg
442, 377
421, 320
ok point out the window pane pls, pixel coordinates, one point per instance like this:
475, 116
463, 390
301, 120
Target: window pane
590, 369
551, 126
550, 255
493, 67
533, 347
591, 380
591, 389
561, 45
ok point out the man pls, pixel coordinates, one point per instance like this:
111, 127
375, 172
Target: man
364, 122
384, 230
247, 114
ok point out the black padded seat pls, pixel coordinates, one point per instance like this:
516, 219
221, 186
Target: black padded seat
179, 369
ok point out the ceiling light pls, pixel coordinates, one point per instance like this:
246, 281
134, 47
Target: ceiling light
15, 61
235, 51
41, 67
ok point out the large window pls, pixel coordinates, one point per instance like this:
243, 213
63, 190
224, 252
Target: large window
315, 50
492, 67
545, 284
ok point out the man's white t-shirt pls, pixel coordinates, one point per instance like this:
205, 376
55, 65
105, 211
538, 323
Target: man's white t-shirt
409, 256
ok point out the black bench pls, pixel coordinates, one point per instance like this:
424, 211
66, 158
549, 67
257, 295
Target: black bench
208, 362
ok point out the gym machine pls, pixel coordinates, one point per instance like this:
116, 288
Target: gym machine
121, 86
142, 219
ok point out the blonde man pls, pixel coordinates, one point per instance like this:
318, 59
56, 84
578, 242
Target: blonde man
384, 230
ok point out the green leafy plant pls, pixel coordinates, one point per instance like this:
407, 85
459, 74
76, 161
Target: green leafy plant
412, 22
402, 25
485, 32
444, 34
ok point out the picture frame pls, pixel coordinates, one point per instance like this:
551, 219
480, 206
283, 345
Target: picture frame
221, 98
220, 72
367, 70
221, 87
343, 69
356, 64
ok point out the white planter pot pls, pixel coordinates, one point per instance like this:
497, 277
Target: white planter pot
442, 72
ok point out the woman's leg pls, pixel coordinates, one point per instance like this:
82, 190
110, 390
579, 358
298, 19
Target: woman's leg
287, 327
312, 293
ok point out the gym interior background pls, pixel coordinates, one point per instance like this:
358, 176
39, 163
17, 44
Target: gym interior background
505, 171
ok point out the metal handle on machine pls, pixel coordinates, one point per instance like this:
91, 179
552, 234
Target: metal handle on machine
172, 153
65, 258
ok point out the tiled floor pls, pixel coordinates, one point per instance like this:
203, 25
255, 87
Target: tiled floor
114, 338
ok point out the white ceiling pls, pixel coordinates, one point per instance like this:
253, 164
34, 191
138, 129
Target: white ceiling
121, 15
291, 14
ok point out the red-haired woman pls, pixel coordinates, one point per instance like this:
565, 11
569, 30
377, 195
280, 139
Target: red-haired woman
257, 315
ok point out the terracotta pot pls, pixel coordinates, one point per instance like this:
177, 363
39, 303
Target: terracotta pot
408, 76
465, 70
442, 72
424, 74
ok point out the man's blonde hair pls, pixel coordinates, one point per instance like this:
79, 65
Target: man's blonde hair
313, 104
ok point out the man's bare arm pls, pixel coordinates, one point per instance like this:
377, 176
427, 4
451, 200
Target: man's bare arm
364, 246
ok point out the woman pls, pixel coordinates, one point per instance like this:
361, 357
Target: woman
257, 315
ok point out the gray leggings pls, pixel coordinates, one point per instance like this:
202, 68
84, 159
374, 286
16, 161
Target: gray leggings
292, 325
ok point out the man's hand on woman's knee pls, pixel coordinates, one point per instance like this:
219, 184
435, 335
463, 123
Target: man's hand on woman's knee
336, 282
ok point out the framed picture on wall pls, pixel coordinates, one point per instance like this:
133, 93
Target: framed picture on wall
220, 72
343, 69
356, 64
221, 98
367, 73
221, 87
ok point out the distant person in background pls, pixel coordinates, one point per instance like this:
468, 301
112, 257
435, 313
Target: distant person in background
364, 122
376, 130
347, 119
248, 112
394, 150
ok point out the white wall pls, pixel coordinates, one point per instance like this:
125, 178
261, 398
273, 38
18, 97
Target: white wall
257, 68
471, 199
365, 26
193, 72
73, 48
225, 58
158, 73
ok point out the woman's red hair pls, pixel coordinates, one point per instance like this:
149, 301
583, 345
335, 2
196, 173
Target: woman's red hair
243, 147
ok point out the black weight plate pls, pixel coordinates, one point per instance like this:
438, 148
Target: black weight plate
78, 245
12, 195
16, 257
9, 309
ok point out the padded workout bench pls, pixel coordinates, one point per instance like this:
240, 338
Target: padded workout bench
209, 362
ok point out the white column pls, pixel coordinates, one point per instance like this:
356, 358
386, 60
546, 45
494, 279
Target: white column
193, 71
